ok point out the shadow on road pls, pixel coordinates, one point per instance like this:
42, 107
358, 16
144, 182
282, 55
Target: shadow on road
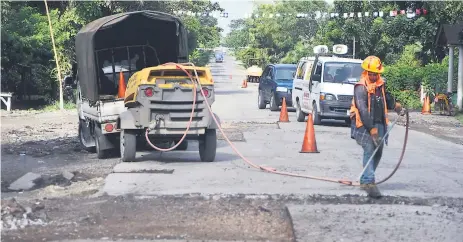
183, 157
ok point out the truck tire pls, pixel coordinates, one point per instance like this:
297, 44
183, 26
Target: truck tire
315, 115
85, 138
273, 103
348, 121
128, 142
300, 115
208, 146
260, 101
182, 146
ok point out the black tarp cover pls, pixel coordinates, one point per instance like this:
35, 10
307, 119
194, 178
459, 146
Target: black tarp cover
85, 45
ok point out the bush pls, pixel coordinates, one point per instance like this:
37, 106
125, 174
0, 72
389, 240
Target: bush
200, 57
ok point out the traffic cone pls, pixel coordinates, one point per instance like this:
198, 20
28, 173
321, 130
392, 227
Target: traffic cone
122, 87
244, 84
426, 106
284, 112
309, 145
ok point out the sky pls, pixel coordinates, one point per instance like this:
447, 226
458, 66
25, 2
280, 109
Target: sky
238, 9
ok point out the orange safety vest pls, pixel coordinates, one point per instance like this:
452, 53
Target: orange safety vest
354, 112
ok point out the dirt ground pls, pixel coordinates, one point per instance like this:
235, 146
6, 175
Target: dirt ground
74, 208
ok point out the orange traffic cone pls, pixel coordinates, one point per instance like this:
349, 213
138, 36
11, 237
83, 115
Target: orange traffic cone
244, 84
309, 145
426, 106
122, 87
284, 112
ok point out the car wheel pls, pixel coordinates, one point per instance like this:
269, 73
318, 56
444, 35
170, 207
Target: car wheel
128, 143
273, 103
300, 116
208, 146
315, 115
260, 101
348, 121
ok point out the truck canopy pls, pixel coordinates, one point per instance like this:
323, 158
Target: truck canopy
127, 37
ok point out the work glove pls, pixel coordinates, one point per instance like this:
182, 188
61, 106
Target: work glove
375, 136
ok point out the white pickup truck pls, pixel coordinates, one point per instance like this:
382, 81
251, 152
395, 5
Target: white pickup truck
115, 45
324, 85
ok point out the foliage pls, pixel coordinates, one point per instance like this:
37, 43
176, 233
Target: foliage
200, 57
28, 65
405, 45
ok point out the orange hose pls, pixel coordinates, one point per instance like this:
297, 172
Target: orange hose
271, 169
191, 115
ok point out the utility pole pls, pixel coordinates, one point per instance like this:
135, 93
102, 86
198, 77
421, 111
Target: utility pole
61, 103
353, 49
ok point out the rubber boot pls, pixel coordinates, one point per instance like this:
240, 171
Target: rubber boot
372, 190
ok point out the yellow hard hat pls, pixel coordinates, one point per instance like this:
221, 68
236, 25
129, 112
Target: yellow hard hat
373, 64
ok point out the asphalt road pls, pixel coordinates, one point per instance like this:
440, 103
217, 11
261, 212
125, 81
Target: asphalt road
431, 167
228, 200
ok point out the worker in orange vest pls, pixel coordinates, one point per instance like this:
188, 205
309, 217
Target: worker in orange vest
369, 118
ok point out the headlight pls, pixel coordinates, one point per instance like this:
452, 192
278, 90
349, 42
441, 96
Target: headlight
327, 97
282, 89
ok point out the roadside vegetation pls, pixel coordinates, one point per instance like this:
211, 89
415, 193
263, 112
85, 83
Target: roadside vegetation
28, 66
407, 46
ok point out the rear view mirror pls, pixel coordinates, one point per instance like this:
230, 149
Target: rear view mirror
74, 70
68, 81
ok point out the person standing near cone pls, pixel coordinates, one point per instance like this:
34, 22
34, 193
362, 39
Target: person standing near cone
369, 118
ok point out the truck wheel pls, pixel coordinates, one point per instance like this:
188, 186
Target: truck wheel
182, 146
316, 115
273, 103
128, 144
85, 138
260, 101
300, 116
208, 146
348, 121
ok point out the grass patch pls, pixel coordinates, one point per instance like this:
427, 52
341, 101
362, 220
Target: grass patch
55, 106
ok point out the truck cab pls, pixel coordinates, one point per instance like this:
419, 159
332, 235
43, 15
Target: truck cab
324, 85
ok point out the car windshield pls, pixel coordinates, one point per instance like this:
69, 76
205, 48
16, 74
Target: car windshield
342, 72
284, 73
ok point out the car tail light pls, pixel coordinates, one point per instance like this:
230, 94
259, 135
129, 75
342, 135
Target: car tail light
206, 91
109, 128
149, 92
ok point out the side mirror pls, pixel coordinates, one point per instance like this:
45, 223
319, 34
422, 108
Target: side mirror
68, 81
316, 78
74, 70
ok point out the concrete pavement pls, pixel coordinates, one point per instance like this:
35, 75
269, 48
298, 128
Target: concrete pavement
431, 167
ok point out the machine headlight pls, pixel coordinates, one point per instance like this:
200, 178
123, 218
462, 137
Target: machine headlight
282, 89
327, 97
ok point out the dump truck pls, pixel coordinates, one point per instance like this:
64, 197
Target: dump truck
118, 52
254, 72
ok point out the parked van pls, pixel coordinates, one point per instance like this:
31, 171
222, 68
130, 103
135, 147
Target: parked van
324, 84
